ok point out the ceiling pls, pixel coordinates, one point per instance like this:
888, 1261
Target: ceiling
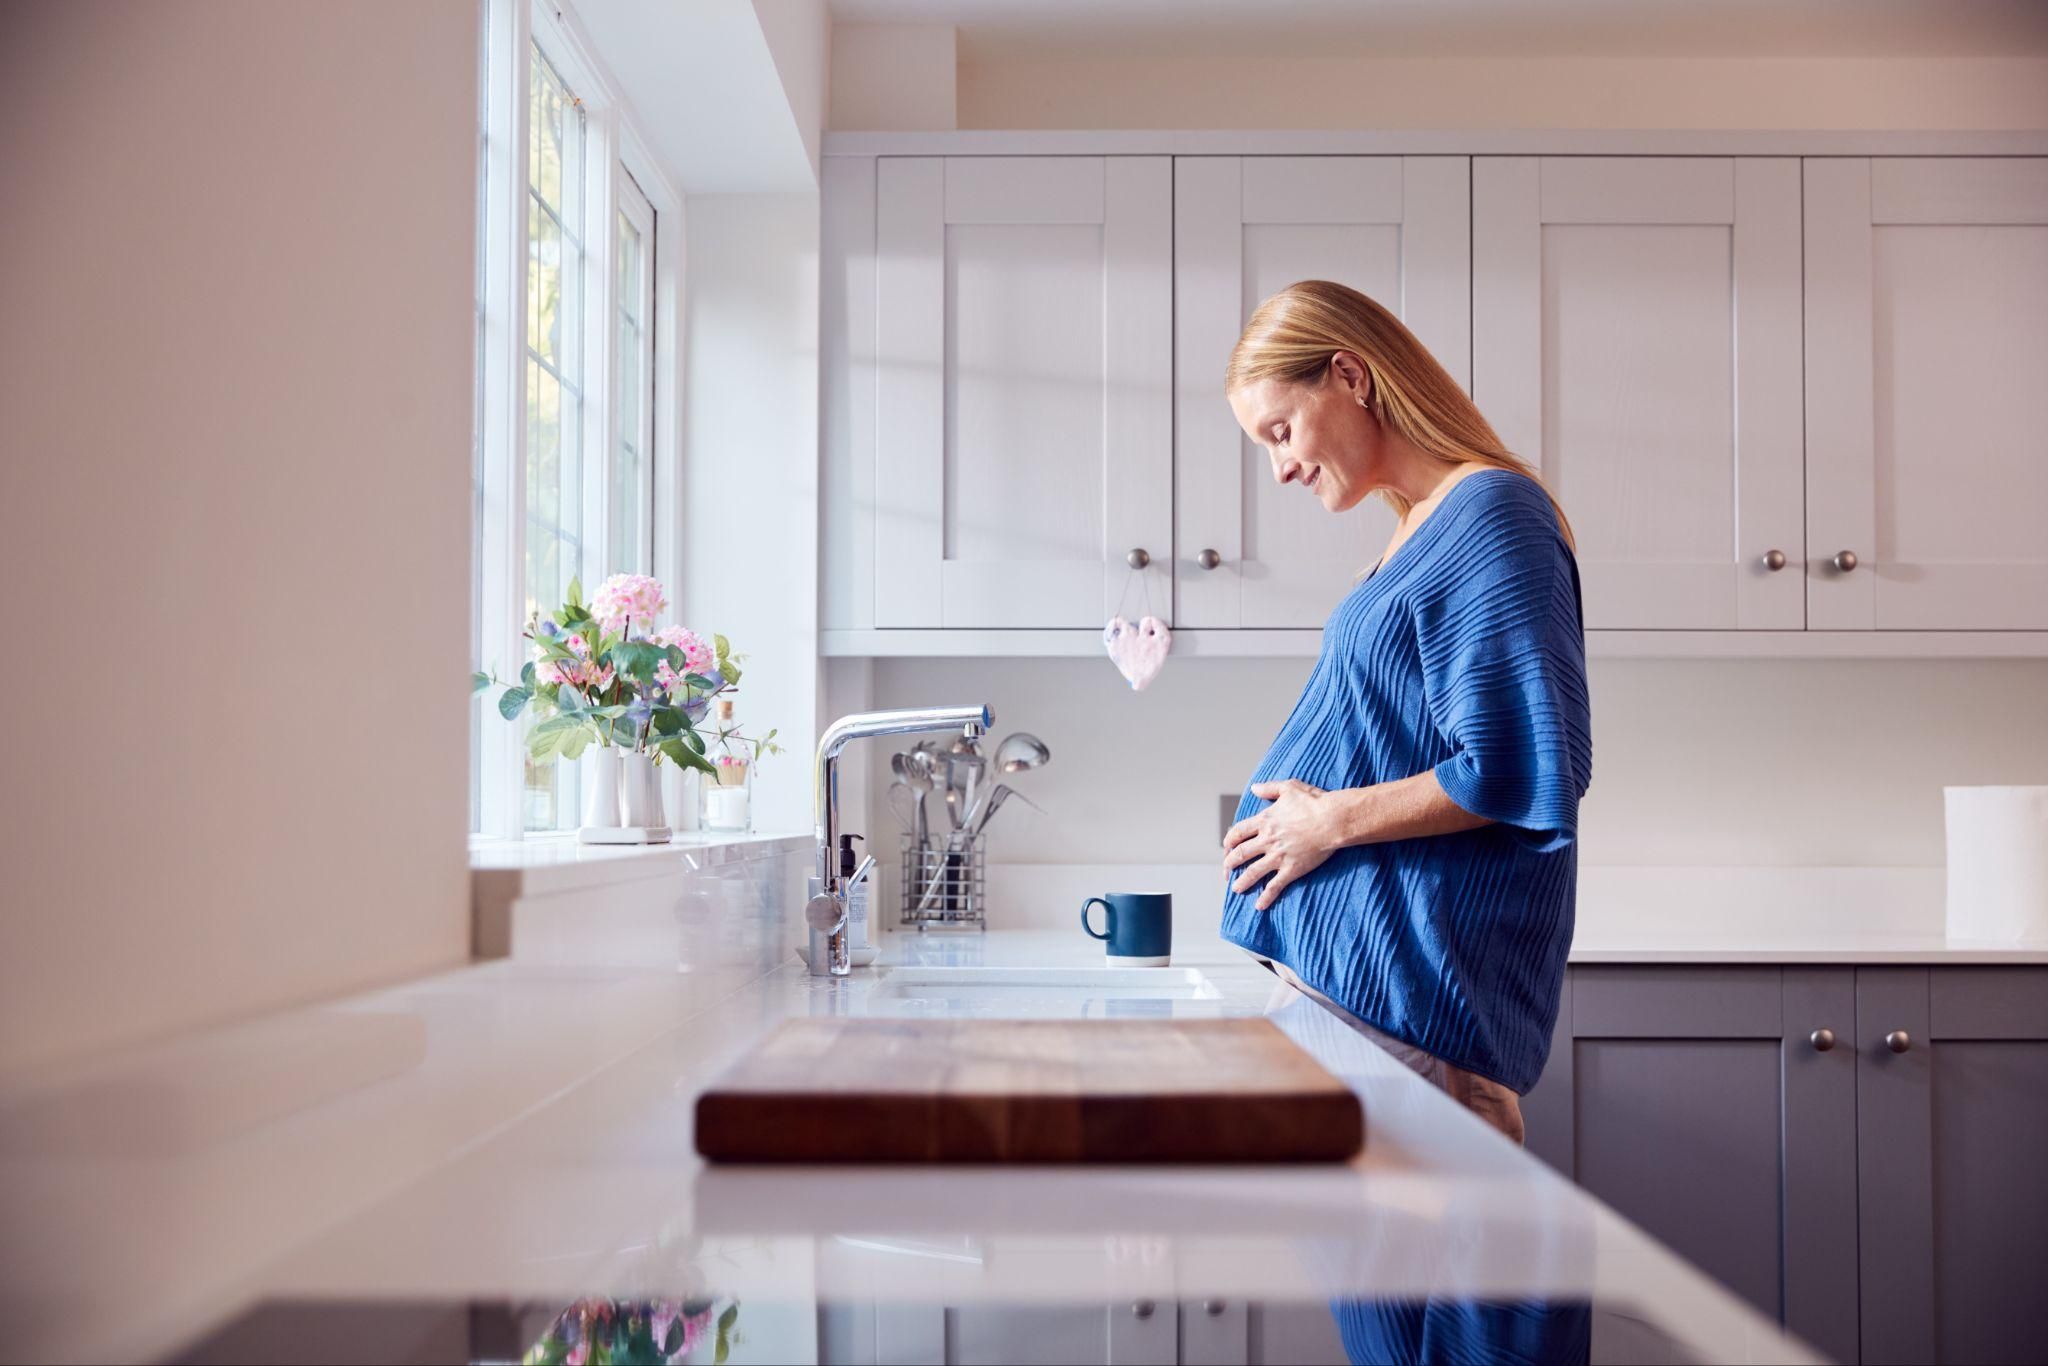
991, 30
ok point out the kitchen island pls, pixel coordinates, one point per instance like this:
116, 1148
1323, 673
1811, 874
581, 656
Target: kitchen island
598, 1194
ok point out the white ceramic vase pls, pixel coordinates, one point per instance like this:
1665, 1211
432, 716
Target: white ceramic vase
642, 789
678, 801
601, 788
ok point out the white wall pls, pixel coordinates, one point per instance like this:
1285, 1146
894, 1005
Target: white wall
799, 38
1733, 763
1233, 92
892, 77
236, 364
750, 468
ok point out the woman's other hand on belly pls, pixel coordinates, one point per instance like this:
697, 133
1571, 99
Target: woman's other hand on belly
1285, 842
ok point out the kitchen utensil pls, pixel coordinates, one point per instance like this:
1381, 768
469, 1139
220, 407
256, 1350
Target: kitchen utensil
917, 771
1137, 928
1000, 793
905, 818
839, 1089
1021, 752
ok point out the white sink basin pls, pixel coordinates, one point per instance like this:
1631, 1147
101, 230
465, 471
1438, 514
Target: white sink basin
1156, 984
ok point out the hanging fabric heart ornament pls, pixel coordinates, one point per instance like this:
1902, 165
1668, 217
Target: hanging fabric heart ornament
1138, 651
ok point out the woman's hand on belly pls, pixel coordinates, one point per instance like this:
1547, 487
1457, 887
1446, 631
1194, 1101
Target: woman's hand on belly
1285, 842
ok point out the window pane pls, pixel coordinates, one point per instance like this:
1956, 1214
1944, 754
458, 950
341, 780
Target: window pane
629, 268
631, 487
555, 299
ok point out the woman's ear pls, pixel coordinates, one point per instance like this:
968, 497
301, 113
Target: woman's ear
1350, 373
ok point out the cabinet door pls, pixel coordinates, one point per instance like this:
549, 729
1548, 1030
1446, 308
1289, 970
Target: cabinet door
1952, 1188
1023, 368
1636, 336
1395, 228
1696, 1103
1926, 279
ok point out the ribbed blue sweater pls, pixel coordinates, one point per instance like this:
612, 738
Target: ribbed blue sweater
1464, 654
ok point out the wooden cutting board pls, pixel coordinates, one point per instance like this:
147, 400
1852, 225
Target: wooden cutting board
869, 1090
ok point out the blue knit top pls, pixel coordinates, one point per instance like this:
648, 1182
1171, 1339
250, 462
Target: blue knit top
1464, 654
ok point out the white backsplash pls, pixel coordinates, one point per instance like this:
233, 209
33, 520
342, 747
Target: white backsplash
1737, 763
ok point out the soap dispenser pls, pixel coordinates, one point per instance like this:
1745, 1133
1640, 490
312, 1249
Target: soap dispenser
856, 895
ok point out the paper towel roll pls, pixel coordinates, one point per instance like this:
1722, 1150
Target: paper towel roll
1997, 863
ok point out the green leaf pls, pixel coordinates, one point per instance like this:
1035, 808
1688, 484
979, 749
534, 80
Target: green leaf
478, 682
720, 646
564, 735
575, 595
669, 720
722, 1350
570, 701
679, 753
728, 1318
636, 660
673, 1343
578, 741
526, 677
513, 702
608, 712
698, 681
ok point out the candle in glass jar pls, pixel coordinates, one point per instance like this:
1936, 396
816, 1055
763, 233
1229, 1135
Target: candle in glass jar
725, 808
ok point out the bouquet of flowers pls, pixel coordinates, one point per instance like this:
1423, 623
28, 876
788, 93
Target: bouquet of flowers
595, 1332
602, 673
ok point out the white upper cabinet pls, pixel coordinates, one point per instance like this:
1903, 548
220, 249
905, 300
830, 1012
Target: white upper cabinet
1023, 367
1249, 552
1636, 336
1927, 414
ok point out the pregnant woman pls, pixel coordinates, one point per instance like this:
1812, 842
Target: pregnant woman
1405, 852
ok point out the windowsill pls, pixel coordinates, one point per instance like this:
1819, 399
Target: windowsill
540, 865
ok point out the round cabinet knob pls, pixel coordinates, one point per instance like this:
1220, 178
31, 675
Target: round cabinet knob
1774, 560
1213, 1308
1845, 560
1142, 1309
1208, 559
1823, 1040
1898, 1041
1138, 559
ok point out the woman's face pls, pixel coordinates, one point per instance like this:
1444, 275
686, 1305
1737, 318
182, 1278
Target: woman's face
1316, 434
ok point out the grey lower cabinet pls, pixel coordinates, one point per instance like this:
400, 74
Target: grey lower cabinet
1861, 1153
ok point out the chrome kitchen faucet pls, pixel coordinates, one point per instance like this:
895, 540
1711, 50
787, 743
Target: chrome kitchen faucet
825, 912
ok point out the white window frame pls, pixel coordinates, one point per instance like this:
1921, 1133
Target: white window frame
611, 144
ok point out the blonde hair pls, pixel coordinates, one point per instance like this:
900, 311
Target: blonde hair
1293, 336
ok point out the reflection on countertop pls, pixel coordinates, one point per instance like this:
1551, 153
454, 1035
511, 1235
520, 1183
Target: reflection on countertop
592, 1191
1439, 1228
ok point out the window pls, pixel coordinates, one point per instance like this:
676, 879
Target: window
555, 370
631, 539
569, 450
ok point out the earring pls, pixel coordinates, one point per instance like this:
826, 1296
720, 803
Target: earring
1361, 400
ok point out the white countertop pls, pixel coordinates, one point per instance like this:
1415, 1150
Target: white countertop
1777, 915
597, 1190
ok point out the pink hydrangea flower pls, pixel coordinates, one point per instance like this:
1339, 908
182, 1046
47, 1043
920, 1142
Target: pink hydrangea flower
697, 657
628, 596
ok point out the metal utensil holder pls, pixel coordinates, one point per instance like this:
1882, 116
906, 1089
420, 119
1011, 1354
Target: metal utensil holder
944, 883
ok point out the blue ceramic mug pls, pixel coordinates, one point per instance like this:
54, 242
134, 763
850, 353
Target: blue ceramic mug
1138, 927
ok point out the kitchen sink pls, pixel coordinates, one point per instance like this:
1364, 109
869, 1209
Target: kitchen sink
984, 983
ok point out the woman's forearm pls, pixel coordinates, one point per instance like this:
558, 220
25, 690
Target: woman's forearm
1403, 809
